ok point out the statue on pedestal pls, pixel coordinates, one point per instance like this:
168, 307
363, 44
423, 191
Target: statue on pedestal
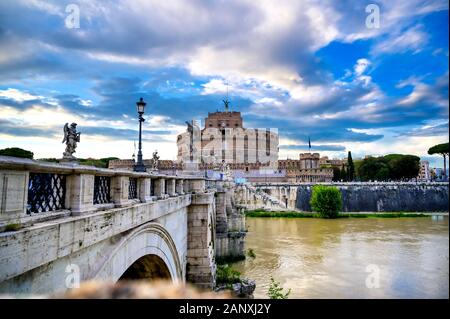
71, 138
155, 161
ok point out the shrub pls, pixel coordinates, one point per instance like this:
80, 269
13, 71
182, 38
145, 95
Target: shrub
12, 227
227, 275
251, 253
326, 200
275, 291
16, 152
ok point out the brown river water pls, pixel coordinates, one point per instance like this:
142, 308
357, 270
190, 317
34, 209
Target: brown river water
350, 258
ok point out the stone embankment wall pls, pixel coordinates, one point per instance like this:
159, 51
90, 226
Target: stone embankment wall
384, 197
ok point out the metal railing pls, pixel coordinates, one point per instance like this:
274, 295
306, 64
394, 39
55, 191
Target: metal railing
102, 190
46, 192
132, 188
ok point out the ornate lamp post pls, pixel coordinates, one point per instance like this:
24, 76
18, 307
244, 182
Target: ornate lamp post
139, 166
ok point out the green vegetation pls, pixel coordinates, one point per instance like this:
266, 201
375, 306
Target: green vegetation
227, 275
101, 163
326, 200
337, 174
275, 291
251, 253
341, 215
16, 152
351, 167
12, 227
389, 167
442, 149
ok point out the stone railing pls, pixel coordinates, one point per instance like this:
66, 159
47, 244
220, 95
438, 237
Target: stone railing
33, 191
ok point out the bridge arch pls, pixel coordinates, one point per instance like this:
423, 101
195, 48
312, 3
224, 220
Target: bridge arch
146, 252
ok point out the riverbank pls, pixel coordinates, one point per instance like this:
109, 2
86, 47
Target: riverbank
293, 214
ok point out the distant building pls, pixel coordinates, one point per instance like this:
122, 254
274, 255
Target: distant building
424, 171
438, 174
306, 169
326, 162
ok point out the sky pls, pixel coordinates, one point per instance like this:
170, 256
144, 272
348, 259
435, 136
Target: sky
314, 68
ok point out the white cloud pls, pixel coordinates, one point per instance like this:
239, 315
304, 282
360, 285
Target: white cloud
413, 39
361, 66
17, 95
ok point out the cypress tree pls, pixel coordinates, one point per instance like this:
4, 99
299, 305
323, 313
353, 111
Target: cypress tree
351, 167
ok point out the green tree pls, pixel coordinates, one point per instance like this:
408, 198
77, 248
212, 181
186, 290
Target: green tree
351, 167
403, 166
336, 174
326, 200
389, 167
16, 152
343, 173
442, 149
373, 168
275, 291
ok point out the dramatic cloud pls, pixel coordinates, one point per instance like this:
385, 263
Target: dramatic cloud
309, 68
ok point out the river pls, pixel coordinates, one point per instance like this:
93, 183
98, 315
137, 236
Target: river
350, 258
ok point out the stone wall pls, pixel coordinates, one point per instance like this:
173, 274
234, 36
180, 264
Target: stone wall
384, 197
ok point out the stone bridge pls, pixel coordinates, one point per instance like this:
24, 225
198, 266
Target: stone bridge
65, 223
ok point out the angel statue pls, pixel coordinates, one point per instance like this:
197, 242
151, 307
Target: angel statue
71, 137
155, 161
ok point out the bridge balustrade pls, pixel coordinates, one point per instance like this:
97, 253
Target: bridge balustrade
32, 191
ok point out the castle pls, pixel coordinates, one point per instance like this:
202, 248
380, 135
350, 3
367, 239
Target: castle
249, 153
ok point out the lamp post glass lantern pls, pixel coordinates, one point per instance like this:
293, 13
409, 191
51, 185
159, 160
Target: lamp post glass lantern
139, 166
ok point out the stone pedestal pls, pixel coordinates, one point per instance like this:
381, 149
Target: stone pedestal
144, 188
120, 185
159, 188
171, 187
179, 186
14, 194
80, 193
